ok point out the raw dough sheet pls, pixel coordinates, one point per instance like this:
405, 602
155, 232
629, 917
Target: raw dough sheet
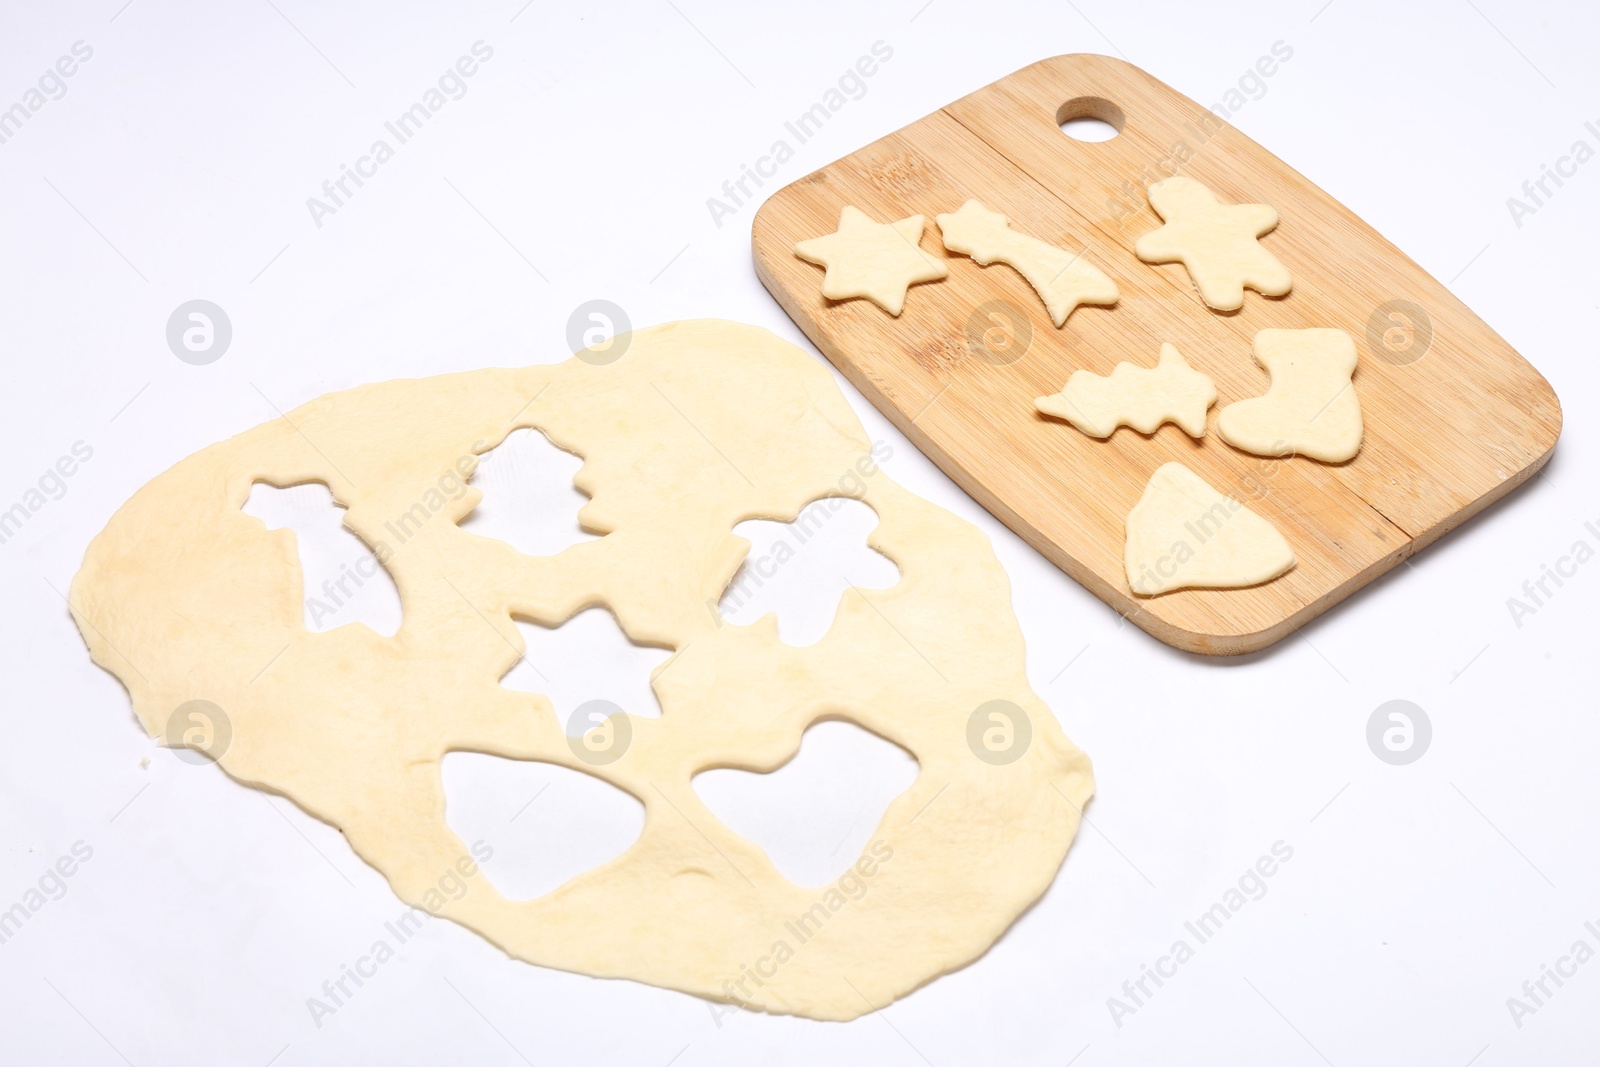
698, 426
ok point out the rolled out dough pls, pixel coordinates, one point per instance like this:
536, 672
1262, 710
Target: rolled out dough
699, 426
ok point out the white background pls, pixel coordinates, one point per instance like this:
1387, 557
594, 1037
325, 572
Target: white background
1419, 898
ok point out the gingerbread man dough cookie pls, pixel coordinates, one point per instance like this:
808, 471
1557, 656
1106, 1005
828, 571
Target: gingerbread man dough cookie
1216, 242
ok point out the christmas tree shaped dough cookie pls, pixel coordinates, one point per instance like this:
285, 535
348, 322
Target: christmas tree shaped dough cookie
1311, 408
1183, 534
877, 260
1141, 397
1062, 279
1216, 242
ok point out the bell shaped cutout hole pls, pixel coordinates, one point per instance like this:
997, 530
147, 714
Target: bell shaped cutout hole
543, 824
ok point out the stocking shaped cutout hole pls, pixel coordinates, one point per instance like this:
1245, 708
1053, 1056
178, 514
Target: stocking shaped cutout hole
544, 823
815, 814
529, 501
800, 570
343, 580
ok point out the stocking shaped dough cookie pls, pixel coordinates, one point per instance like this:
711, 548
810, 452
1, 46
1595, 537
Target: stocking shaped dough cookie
1183, 534
1216, 242
1311, 408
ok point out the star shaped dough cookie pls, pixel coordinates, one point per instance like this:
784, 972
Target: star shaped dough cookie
877, 260
1216, 242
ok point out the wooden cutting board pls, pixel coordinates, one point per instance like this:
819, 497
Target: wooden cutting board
1455, 418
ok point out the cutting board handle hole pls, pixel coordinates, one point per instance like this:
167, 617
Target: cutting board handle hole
1090, 118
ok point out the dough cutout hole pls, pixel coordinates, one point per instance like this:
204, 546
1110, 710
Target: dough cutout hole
529, 501
586, 658
801, 570
815, 814
1090, 118
343, 580
546, 823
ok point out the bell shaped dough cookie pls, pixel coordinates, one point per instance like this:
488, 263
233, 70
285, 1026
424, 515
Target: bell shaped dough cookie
1183, 534
1062, 279
1311, 407
877, 260
1215, 242
1141, 397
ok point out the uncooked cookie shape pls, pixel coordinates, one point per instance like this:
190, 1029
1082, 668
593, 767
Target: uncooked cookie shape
1141, 397
1062, 279
1311, 407
877, 260
1216, 242
1183, 534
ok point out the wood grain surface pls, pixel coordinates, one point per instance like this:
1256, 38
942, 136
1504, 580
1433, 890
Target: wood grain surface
1454, 417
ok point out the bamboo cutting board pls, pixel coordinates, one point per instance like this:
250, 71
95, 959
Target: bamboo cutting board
1454, 417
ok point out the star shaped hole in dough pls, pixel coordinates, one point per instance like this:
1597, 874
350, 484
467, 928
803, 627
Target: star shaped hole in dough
876, 260
1217, 243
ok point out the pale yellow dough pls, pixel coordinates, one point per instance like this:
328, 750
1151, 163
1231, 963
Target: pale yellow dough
1215, 242
1184, 534
1062, 279
876, 260
699, 426
1141, 397
1310, 409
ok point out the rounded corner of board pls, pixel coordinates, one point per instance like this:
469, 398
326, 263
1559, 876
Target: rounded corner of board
1210, 644
1554, 424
